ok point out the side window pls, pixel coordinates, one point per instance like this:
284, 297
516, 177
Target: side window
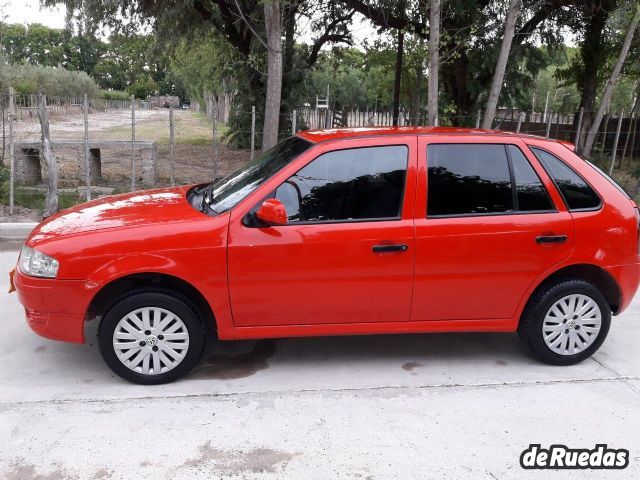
353, 184
576, 192
468, 179
531, 194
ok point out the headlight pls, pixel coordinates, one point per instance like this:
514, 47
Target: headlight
37, 264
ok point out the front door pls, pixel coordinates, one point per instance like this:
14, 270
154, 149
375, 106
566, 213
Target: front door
346, 254
488, 224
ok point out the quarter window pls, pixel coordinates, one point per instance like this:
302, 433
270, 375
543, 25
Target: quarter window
577, 194
468, 179
352, 184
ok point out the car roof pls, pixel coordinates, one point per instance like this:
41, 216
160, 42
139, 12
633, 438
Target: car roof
317, 136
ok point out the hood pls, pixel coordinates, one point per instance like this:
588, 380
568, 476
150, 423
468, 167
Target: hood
126, 210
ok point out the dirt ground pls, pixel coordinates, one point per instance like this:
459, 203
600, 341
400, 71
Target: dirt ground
194, 150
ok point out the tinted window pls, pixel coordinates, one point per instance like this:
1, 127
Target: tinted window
531, 193
362, 183
468, 179
575, 191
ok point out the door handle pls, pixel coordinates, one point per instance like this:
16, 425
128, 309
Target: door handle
390, 248
545, 239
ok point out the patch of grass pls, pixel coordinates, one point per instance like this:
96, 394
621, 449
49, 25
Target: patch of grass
35, 200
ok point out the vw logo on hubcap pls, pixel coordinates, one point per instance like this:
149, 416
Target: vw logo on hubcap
152, 340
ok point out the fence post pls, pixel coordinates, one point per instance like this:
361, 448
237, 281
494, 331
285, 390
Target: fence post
478, 116
133, 143
293, 122
578, 130
214, 113
87, 166
548, 125
172, 147
253, 131
12, 162
51, 202
615, 144
519, 122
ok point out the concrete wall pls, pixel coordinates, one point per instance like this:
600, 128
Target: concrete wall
71, 164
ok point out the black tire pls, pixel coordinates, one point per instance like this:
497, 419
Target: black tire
531, 322
179, 305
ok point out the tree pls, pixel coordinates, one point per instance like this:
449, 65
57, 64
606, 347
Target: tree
608, 89
274, 73
501, 65
434, 61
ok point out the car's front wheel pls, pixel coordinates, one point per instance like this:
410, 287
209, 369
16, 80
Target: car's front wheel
566, 323
151, 336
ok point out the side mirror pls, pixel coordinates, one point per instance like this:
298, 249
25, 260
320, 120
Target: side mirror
272, 212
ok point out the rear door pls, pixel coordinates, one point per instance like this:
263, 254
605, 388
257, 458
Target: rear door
488, 223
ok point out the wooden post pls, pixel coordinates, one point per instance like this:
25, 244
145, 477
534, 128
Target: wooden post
626, 140
478, 116
133, 143
253, 131
519, 122
214, 139
615, 144
12, 155
51, 201
603, 146
548, 124
87, 165
172, 147
293, 122
578, 130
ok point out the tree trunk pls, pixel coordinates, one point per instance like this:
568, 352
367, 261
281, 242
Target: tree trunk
273, 26
593, 55
613, 78
51, 202
434, 62
501, 64
398, 78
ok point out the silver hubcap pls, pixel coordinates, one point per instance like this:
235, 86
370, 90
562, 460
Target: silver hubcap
151, 340
572, 324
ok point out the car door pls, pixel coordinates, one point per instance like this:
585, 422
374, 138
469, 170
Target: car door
488, 223
346, 254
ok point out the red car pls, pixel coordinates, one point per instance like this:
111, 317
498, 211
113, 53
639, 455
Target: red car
336, 232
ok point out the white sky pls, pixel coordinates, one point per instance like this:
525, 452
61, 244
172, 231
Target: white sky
28, 11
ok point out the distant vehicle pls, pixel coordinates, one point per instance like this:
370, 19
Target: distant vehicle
185, 106
337, 232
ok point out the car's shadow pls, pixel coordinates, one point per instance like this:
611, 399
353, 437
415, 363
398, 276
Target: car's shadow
239, 359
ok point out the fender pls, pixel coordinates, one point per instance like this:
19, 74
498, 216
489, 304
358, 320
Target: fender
216, 297
541, 278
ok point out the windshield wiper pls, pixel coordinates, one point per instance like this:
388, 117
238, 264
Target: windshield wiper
207, 198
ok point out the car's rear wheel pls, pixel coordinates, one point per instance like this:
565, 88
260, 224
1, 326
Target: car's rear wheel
151, 336
566, 323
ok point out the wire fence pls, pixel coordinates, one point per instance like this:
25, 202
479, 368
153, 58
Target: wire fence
103, 147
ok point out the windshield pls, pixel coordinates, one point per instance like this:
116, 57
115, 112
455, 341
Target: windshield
227, 192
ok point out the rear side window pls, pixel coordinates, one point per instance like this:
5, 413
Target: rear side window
344, 185
531, 194
468, 179
577, 194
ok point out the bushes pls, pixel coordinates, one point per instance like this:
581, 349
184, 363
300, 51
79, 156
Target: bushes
52, 81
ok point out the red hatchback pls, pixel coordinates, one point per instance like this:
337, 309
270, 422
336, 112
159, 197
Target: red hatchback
354, 231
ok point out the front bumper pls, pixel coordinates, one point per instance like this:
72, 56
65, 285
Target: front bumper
54, 308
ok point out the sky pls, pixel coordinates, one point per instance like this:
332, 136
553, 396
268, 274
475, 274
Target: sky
28, 11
